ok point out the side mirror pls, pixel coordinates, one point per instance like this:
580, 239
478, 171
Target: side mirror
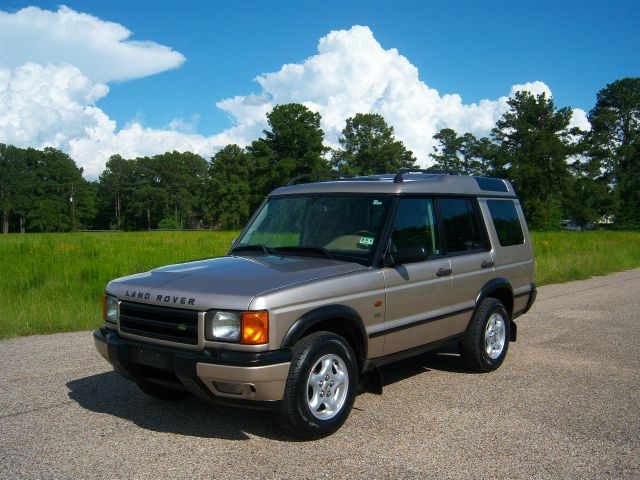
409, 254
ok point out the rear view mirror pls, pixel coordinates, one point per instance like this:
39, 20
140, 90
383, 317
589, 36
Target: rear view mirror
408, 254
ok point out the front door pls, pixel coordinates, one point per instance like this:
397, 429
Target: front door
418, 295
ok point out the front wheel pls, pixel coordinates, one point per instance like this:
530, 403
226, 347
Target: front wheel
485, 344
321, 386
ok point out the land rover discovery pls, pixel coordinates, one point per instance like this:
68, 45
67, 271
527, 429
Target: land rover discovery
327, 282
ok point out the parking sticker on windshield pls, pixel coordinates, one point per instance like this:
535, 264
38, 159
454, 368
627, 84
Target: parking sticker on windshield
366, 240
377, 202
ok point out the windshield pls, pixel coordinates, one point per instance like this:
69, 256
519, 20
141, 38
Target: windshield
341, 227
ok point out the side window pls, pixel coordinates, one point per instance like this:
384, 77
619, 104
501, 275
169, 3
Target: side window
461, 225
415, 225
506, 221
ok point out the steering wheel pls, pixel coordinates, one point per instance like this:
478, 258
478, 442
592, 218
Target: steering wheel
364, 233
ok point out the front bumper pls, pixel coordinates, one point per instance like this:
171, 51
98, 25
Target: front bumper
258, 379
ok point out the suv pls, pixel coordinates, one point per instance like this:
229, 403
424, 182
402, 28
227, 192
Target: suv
327, 282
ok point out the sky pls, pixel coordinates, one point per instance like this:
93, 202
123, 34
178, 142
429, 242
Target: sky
96, 78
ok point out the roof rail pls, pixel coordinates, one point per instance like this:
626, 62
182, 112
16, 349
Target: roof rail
398, 178
294, 180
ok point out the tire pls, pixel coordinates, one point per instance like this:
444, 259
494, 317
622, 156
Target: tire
161, 393
486, 341
320, 362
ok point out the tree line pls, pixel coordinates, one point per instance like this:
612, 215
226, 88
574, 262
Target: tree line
559, 172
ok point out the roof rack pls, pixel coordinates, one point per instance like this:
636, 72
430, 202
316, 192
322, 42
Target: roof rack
398, 178
295, 180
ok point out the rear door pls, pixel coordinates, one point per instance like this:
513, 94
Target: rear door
467, 246
512, 246
418, 296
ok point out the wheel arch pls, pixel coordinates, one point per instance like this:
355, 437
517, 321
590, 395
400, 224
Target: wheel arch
339, 319
500, 289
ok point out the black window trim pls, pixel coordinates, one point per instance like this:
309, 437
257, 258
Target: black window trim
484, 233
388, 231
444, 253
484, 236
518, 216
369, 260
375, 260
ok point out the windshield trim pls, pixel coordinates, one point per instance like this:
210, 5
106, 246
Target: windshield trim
367, 260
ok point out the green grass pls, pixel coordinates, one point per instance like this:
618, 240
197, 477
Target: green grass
54, 282
565, 256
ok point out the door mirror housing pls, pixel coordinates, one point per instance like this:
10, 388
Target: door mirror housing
408, 254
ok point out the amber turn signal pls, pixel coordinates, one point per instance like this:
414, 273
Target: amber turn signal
255, 328
104, 307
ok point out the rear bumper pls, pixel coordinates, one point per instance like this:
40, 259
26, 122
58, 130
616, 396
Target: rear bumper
532, 298
532, 293
256, 379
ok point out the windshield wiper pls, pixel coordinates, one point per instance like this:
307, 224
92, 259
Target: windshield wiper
302, 250
252, 248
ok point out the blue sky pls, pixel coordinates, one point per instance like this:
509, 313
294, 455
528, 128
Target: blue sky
477, 50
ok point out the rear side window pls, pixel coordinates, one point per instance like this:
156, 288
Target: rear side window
461, 225
506, 221
415, 225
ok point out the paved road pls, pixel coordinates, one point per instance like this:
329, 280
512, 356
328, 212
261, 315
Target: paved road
566, 404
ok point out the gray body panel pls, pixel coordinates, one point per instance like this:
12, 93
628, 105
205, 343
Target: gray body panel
358, 290
514, 263
468, 278
228, 282
415, 293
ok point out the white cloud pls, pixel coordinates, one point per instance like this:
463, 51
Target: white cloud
54, 66
53, 106
101, 50
579, 119
93, 149
48, 98
352, 73
184, 126
42, 106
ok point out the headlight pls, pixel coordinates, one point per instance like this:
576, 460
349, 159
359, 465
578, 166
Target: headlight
110, 309
222, 326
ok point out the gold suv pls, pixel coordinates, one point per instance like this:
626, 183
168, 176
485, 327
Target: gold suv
328, 281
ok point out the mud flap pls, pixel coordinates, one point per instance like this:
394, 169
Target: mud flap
371, 382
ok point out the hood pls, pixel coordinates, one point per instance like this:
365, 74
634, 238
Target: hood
226, 282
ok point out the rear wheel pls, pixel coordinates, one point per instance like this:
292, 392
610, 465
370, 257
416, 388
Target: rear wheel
321, 386
485, 344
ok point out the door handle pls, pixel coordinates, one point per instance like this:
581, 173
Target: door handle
443, 272
487, 264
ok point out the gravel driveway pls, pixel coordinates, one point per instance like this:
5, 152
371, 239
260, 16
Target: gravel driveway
565, 404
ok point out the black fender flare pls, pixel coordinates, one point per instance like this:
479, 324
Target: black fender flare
486, 290
324, 313
489, 287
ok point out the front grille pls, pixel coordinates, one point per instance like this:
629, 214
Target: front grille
162, 323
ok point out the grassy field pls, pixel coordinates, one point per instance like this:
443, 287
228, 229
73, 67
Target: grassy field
564, 256
54, 282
